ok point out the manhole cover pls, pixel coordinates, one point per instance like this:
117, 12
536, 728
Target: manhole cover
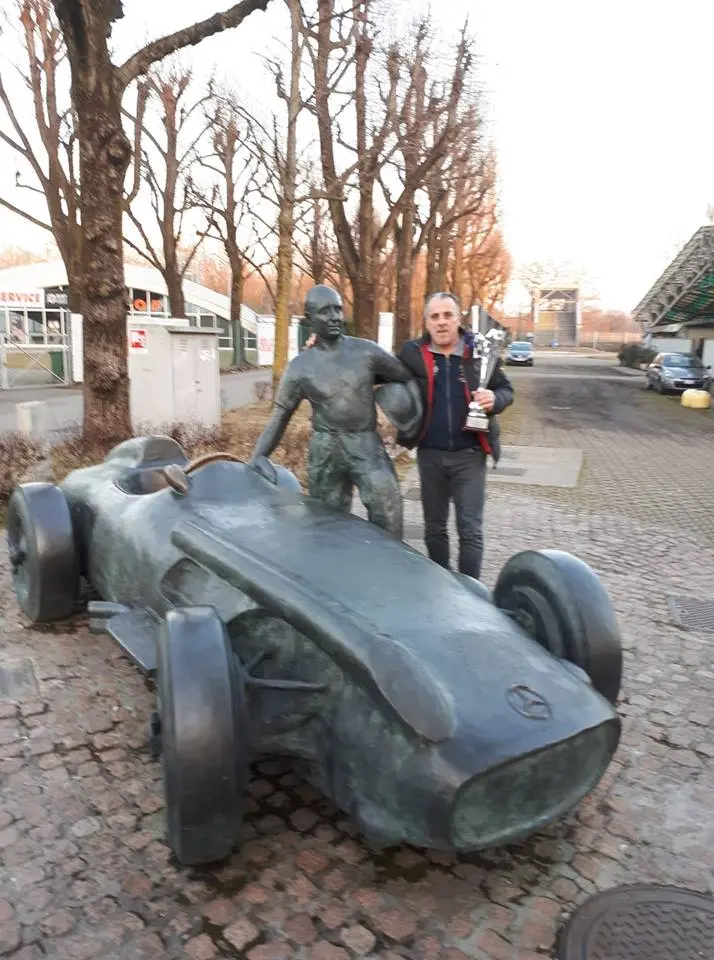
692, 614
641, 922
17, 680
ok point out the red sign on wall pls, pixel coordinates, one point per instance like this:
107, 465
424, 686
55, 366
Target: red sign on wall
137, 341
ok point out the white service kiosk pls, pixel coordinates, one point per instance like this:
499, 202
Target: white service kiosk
175, 376
174, 372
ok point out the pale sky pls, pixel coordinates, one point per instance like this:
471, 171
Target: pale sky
601, 115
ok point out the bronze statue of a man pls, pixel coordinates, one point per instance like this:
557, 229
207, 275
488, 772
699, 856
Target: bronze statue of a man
338, 375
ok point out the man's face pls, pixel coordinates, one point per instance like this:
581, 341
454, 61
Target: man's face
327, 318
442, 322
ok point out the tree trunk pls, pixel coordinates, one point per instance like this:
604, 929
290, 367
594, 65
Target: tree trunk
287, 207
432, 260
317, 251
442, 259
173, 281
284, 284
365, 305
236, 266
73, 263
169, 98
341, 225
458, 256
405, 249
103, 161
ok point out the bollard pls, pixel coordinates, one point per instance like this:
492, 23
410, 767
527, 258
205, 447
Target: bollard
32, 419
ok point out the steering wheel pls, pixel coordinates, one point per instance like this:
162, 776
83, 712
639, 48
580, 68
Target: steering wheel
177, 477
209, 458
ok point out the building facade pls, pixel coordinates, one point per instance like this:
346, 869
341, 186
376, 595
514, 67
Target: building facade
34, 309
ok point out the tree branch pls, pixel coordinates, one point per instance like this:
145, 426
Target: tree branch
25, 215
140, 62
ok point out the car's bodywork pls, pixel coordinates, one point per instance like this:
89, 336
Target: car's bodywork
677, 372
520, 353
403, 692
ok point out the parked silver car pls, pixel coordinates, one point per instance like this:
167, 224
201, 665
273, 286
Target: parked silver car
520, 352
676, 372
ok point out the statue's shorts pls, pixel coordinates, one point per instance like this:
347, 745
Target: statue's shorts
339, 461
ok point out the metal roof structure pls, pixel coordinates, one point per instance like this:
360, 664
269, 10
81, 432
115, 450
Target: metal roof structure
683, 296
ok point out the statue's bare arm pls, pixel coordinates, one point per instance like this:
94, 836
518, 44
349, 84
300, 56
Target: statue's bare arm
272, 433
389, 368
287, 400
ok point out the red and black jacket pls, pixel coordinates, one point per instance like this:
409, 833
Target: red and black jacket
446, 384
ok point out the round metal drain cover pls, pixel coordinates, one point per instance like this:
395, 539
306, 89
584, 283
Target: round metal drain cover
641, 922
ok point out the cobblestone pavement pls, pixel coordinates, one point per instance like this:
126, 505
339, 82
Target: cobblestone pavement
85, 870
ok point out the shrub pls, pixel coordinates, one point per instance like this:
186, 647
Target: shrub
635, 355
18, 455
262, 390
237, 434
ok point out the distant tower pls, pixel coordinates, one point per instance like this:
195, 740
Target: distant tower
557, 315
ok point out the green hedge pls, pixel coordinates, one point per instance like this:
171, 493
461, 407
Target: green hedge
635, 355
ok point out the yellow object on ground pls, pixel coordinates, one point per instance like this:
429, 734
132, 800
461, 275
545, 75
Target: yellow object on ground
697, 399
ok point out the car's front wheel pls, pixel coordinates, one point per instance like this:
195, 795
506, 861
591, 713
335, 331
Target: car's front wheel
43, 554
203, 727
559, 600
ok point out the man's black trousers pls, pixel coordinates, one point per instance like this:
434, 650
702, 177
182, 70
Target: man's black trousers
458, 475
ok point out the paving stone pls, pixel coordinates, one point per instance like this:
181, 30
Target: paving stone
241, 934
200, 948
359, 939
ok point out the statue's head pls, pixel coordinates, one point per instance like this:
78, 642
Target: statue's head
323, 311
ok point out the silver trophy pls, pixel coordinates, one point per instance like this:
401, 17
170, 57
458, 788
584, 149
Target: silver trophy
487, 347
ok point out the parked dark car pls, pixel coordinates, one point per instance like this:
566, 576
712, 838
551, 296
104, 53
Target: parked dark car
520, 352
676, 372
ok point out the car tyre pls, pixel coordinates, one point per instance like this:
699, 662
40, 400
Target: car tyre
204, 726
559, 600
43, 552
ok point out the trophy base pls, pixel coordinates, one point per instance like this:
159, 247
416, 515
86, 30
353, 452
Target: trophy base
477, 423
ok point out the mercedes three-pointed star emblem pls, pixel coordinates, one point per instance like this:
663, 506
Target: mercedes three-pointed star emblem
528, 703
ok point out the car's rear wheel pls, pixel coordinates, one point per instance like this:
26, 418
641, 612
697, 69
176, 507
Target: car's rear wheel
203, 733
43, 553
559, 600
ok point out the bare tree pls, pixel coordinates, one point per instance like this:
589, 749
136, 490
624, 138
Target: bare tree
413, 122
232, 168
167, 162
349, 69
104, 156
288, 183
50, 157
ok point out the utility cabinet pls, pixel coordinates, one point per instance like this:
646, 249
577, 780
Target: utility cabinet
175, 376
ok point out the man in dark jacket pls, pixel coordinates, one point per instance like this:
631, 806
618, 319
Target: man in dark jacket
451, 460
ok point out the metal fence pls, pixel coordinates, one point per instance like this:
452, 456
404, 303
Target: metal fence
34, 365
